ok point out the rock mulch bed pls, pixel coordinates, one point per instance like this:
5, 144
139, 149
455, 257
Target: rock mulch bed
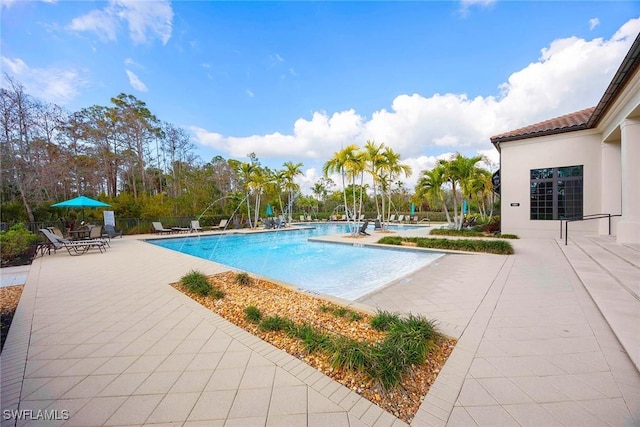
9, 298
402, 401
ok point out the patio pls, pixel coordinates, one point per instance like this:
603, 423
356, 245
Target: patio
105, 338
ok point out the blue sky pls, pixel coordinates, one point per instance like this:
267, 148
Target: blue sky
298, 80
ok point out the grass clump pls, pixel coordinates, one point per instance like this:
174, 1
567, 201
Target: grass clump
243, 278
499, 247
383, 320
349, 354
197, 283
339, 311
507, 236
463, 233
276, 323
312, 338
252, 314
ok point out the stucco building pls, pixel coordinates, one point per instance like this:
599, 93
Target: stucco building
577, 165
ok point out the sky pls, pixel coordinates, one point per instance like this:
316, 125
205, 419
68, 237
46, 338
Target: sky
299, 80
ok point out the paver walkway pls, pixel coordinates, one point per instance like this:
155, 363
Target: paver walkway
535, 352
105, 338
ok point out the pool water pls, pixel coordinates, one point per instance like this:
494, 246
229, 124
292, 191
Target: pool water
345, 271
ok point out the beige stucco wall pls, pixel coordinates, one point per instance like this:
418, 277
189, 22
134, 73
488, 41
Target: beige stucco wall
566, 149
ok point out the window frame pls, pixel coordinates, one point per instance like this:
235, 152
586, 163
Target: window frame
552, 190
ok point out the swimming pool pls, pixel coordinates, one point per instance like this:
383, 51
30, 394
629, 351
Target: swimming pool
345, 271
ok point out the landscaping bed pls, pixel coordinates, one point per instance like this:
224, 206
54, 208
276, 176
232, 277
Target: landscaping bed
330, 337
499, 247
9, 298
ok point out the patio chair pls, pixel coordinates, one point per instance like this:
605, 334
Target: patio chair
158, 228
95, 234
74, 247
222, 225
110, 232
400, 218
377, 225
392, 218
301, 218
363, 229
195, 226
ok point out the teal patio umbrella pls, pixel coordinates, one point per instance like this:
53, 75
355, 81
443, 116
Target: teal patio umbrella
269, 210
413, 209
81, 202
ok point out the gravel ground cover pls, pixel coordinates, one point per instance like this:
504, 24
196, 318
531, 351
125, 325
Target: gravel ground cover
9, 298
270, 299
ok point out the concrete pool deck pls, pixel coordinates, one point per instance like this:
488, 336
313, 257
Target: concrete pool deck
105, 338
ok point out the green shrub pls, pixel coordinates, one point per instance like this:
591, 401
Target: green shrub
407, 343
243, 278
197, 283
216, 293
386, 363
449, 232
485, 246
349, 354
252, 314
383, 320
340, 311
507, 236
16, 242
354, 316
312, 338
276, 323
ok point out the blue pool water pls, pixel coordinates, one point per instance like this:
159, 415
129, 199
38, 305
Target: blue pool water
345, 271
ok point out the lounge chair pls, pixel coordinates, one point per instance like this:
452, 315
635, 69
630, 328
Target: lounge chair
178, 229
392, 218
309, 218
377, 225
363, 229
95, 234
400, 218
222, 225
158, 228
110, 232
195, 226
74, 247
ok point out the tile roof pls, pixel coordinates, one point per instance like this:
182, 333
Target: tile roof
566, 123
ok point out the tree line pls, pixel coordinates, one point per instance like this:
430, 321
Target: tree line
147, 168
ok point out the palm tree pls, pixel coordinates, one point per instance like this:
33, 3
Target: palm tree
430, 186
291, 170
460, 173
374, 160
338, 164
391, 169
355, 167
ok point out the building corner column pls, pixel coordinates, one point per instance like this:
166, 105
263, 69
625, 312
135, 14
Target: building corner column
629, 225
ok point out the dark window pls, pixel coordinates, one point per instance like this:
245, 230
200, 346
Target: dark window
556, 193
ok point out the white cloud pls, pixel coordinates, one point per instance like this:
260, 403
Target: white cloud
250, 93
571, 74
135, 82
465, 5
131, 63
593, 23
6, 3
146, 20
143, 17
52, 84
100, 22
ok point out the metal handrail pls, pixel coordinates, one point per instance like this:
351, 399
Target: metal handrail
583, 218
